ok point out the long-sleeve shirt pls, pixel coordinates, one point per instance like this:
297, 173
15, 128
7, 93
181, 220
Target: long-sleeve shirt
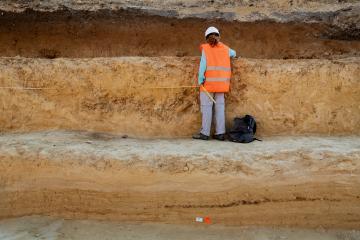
202, 67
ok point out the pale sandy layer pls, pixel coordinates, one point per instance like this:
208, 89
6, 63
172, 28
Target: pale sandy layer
241, 10
283, 181
36, 228
124, 95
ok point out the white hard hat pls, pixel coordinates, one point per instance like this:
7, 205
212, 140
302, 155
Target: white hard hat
211, 30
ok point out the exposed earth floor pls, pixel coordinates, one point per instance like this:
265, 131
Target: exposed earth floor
36, 228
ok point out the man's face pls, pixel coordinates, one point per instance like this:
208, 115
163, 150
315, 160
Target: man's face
215, 35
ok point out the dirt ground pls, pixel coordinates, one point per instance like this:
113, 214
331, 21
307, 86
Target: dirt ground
36, 228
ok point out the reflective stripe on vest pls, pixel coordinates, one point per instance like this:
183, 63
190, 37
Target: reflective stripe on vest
214, 79
218, 68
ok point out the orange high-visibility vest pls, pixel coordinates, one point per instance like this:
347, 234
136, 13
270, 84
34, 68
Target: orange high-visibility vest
218, 68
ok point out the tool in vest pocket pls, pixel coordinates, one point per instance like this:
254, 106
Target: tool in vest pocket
208, 94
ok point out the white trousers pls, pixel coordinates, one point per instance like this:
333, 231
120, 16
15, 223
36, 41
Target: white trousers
207, 115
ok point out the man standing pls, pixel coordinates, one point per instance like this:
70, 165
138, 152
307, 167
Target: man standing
214, 80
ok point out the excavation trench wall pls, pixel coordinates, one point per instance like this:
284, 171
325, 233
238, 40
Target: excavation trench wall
135, 73
110, 33
125, 95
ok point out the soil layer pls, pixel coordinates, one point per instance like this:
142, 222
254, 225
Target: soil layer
131, 95
107, 33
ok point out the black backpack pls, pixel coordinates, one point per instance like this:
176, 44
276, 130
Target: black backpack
243, 130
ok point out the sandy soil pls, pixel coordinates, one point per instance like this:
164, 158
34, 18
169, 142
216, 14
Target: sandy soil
307, 181
36, 228
117, 95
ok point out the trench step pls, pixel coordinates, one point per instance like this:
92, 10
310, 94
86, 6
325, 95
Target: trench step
282, 181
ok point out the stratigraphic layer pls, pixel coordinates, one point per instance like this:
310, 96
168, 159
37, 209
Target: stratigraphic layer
274, 10
103, 33
144, 96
